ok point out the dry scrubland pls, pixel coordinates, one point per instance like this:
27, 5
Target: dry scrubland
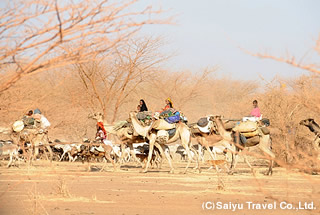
109, 68
67, 101
63, 188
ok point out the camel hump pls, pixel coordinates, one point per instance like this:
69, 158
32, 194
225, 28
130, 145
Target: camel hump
161, 124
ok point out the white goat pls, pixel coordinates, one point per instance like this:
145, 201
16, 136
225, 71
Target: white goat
116, 151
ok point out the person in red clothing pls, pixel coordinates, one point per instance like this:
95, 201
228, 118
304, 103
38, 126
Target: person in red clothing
101, 132
168, 104
256, 111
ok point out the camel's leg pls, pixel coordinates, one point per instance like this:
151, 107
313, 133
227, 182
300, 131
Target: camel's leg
122, 154
75, 158
166, 153
11, 159
128, 157
200, 151
152, 141
197, 159
235, 157
266, 146
104, 164
108, 157
158, 159
50, 153
70, 157
185, 141
36, 150
248, 163
64, 152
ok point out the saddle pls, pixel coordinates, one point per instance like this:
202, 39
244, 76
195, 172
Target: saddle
204, 125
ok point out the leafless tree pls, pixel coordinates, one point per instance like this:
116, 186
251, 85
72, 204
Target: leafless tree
111, 81
39, 35
291, 60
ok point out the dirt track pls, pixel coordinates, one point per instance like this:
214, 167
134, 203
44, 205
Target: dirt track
67, 188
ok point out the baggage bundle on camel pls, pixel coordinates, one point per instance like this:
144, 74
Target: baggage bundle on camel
250, 132
229, 125
145, 117
205, 125
170, 115
18, 126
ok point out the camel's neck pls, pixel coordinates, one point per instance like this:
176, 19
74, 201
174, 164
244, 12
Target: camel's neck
223, 132
109, 128
141, 130
314, 127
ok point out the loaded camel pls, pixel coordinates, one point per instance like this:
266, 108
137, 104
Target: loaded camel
213, 141
36, 137
155, 137
264, 144
315, 128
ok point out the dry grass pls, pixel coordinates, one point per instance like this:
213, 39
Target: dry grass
62, 188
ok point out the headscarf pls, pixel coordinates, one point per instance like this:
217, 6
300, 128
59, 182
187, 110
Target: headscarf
143, 107
37, 111
100, 124
169, 100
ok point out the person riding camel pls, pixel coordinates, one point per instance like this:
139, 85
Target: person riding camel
255, 114
41, 120
168, 104
28, 119
256, 111
102, 134
143, 106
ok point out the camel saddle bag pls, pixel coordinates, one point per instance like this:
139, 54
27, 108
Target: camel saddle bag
247, 126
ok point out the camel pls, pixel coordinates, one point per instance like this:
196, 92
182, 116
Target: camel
211, 141
315, 128
182, 133
122, 135
264, 144
36, 138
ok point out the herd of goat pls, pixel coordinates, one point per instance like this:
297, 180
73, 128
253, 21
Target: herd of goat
87, 151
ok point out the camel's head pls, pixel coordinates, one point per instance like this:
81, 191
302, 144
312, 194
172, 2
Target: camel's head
132, 114
214, 117
307, 122
97, 116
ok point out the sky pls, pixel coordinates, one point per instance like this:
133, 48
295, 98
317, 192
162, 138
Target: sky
209, 33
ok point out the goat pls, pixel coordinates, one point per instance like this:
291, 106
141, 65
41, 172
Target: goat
103, 151
11, 150
144, 152
66, 149
222, 148
216, 164
116, 152
181, 150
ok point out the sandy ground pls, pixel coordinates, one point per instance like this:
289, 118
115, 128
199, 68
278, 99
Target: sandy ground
67, 188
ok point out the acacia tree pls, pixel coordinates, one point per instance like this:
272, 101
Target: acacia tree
110, 81
291, 60
39, 35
